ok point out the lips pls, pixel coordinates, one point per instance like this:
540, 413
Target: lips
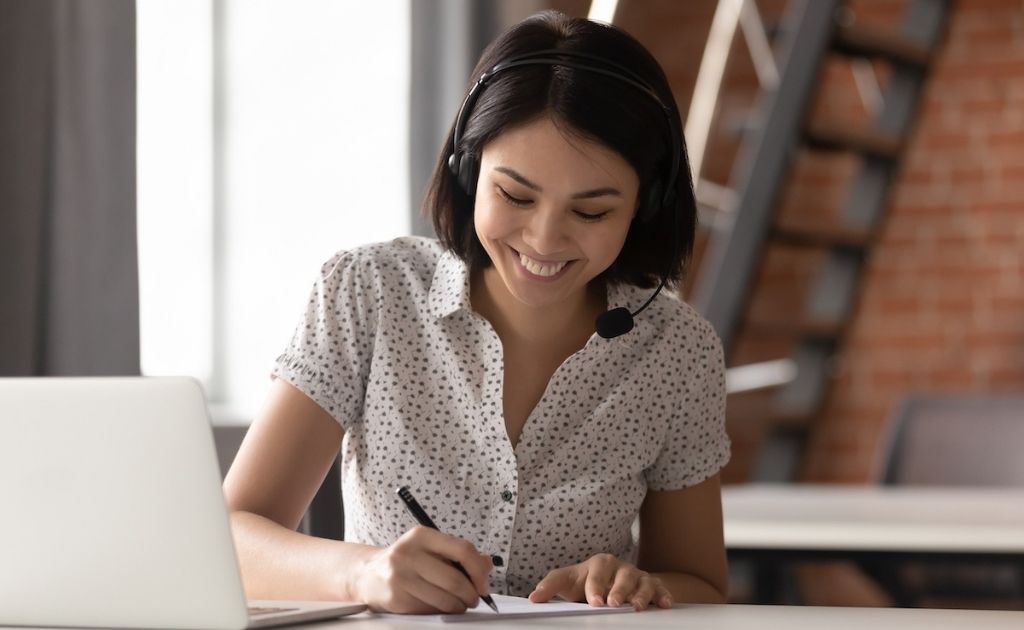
542, 269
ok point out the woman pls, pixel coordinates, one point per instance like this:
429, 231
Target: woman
468, 369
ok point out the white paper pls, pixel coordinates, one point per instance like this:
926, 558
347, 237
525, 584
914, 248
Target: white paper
516, 608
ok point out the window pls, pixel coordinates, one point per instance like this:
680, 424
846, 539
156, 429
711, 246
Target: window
270, 135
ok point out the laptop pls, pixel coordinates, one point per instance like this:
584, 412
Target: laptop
113, 514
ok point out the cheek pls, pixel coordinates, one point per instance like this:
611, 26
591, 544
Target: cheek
490, 221
605, 245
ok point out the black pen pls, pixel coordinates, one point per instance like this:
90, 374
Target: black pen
421, 517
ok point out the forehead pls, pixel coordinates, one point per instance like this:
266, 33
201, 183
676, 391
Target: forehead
549, 152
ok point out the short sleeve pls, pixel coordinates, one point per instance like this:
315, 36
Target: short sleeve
329, 355
696, 445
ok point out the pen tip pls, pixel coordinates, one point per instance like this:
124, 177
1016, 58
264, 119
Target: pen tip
490, 602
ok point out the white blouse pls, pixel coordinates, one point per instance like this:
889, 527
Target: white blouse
392, 349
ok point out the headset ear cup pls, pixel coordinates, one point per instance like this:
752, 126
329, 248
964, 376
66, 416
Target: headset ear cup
668, 200
652, 203
469, 168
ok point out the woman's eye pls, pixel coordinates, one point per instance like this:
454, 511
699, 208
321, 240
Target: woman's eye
587, 216
515, 201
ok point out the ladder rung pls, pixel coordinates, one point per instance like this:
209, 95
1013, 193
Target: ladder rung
797, 328
869, 42
834, 138
790, 419
771, 419
826, 237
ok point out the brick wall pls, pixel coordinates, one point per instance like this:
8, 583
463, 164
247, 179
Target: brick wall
942, 302
942, 307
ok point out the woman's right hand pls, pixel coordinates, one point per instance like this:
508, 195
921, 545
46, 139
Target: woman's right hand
415, 574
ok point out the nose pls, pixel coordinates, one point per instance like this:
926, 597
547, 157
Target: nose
545, 232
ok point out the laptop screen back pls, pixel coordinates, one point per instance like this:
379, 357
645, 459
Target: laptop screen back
113, 513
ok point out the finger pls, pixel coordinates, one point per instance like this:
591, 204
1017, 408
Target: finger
557, 582
477, 565
663, 598
440, 573
434, 598
645, 592
627, 580
481, 573
600, 572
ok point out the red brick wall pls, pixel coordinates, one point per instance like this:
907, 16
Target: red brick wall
942, 303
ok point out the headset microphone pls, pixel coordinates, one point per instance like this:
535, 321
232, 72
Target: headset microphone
615, 322
619, 321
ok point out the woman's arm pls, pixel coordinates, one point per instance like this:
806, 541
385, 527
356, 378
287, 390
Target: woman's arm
681, 542
282, 462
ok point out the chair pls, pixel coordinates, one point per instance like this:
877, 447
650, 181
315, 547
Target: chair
949, 440
956, 440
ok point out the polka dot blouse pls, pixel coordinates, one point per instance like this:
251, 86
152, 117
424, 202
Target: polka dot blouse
392, 349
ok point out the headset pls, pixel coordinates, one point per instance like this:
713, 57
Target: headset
661, 195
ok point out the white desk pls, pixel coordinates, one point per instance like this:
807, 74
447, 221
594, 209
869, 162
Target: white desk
875, 525
732, 617
845, 521
717, 617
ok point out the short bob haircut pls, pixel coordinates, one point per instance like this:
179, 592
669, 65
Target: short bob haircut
588, 104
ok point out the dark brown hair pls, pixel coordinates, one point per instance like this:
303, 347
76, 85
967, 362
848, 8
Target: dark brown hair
597, 107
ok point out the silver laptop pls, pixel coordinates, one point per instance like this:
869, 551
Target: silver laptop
112, 513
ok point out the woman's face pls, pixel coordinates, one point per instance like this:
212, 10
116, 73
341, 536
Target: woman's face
552, 210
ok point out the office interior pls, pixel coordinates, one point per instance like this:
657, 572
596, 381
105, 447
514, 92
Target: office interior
861, 197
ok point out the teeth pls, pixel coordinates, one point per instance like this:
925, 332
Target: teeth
539, 269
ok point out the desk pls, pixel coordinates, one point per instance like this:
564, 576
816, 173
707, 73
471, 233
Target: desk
772, 523
719, 617
716, 617
732, 617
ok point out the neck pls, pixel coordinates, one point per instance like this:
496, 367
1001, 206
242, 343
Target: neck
514, 321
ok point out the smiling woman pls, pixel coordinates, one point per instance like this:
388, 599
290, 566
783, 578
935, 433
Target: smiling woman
468, 369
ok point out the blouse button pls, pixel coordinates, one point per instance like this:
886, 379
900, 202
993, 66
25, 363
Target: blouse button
497, 561
506, 496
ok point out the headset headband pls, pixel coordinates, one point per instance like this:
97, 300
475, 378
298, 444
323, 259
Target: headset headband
579, 61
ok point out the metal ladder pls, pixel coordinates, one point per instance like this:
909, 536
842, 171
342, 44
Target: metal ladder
810, 31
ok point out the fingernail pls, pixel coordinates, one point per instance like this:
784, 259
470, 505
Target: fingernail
612, 602
666, 601
595, 600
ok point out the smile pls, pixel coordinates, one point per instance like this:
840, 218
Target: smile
541, 269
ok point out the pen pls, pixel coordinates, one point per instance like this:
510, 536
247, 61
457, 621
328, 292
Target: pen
421, 517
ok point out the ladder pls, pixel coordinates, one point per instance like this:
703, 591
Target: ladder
809, 32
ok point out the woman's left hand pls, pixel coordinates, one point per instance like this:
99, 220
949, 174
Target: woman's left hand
603, 580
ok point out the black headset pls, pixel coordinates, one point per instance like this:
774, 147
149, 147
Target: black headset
465, 165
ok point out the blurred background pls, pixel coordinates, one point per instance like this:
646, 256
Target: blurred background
172, 174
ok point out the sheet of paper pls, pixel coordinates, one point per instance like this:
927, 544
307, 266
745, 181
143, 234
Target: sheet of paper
516, 608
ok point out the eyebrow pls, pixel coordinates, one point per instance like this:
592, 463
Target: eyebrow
586, 194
